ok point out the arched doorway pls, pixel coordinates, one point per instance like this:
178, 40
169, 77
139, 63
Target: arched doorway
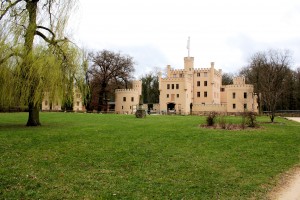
171, 106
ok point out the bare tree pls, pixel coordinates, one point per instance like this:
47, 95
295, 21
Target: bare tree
269, 71
227, 78
34, 52
108, 69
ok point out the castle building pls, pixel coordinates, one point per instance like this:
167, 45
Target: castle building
200, 90
127, 100
55, 105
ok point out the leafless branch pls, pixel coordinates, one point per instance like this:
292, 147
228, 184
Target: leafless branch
9, 7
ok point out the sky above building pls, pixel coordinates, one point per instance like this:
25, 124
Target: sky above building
155, 33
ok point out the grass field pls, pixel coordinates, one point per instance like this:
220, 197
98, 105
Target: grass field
94, 156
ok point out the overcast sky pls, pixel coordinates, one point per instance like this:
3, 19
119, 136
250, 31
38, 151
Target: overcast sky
155, 32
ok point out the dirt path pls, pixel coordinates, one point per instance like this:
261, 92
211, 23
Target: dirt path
289, 186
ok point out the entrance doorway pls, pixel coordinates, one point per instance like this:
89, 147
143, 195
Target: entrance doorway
171, 106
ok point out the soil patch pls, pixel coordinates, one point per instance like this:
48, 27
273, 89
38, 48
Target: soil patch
234, 127
288, 186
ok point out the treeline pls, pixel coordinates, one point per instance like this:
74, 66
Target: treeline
276, 84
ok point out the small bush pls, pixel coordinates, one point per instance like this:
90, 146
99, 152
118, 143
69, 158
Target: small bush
222, 122
211, 119
251, 119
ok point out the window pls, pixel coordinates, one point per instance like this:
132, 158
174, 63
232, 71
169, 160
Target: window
122, 107
168, 86
198, 83
245, 106
124, 98
172, 86
198, 74
233, 95
245, 95
46, 103
233, 106
205, 74
198, 94
177, 95
77, 95
222, 89
180, 75
177, 86
167, 95
205, 94
77, 103
205, 83
132, 99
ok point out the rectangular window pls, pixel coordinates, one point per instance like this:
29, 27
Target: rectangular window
198, 94
233, 95
233, 106
167, 95
173, 86
77, 103
222, 89
177, 86
198, 74
205, 94
132, 99
180, 75
245, 95
198, 83
124, 98
205, 83
177, 95
205, 74
168, 86
245, 106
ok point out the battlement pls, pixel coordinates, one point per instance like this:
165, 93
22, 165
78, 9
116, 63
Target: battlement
239, 86
125, 90
177, 70
201, 69
175, 79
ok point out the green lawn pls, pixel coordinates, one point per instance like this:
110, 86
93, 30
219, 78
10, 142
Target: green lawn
94, 156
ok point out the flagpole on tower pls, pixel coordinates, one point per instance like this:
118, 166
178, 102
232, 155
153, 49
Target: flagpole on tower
188, 46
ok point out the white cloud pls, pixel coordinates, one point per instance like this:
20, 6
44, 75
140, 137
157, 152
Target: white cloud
155, 32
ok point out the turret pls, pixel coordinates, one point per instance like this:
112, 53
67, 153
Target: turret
137, 85
188, 64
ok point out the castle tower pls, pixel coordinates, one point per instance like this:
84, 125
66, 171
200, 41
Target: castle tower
188, 64
137, 85
239, 80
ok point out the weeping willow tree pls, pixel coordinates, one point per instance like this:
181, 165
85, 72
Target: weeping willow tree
35, 56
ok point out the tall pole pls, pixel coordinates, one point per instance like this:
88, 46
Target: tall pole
188, 46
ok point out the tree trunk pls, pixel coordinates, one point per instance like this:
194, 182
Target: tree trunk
34, 115
31, 6
102, 97
272, 117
